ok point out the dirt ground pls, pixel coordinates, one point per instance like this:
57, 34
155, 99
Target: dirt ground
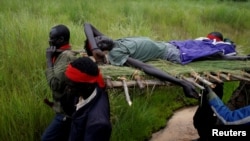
179, 127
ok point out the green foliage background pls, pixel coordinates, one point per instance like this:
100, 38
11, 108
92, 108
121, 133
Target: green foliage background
24, 28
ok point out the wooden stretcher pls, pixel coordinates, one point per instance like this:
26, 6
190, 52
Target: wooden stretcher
198, 73
208, 72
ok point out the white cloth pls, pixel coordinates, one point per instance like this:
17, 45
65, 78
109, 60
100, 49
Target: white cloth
82, 102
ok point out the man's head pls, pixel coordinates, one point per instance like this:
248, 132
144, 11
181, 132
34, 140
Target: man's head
84, 76
59, 35
215, 36
104, 43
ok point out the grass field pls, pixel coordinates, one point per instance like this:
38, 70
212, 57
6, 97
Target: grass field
24, 33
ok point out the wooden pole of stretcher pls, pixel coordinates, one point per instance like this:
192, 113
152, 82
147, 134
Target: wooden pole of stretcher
197, 76
138, 79
125, 87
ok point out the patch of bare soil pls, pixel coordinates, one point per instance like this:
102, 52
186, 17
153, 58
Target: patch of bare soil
179, 127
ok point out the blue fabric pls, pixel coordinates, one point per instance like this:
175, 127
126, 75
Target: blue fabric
58, 130
194, 49
237, 117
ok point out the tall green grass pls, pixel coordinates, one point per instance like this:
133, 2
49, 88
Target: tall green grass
24, 33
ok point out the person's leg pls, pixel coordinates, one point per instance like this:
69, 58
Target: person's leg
58, 130
204, 118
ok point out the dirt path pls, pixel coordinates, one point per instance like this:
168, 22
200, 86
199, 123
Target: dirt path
179, 127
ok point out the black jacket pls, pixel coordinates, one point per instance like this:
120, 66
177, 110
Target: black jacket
92, 122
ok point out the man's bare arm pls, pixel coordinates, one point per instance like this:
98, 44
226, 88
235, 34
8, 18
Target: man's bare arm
91, 32
188, 88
